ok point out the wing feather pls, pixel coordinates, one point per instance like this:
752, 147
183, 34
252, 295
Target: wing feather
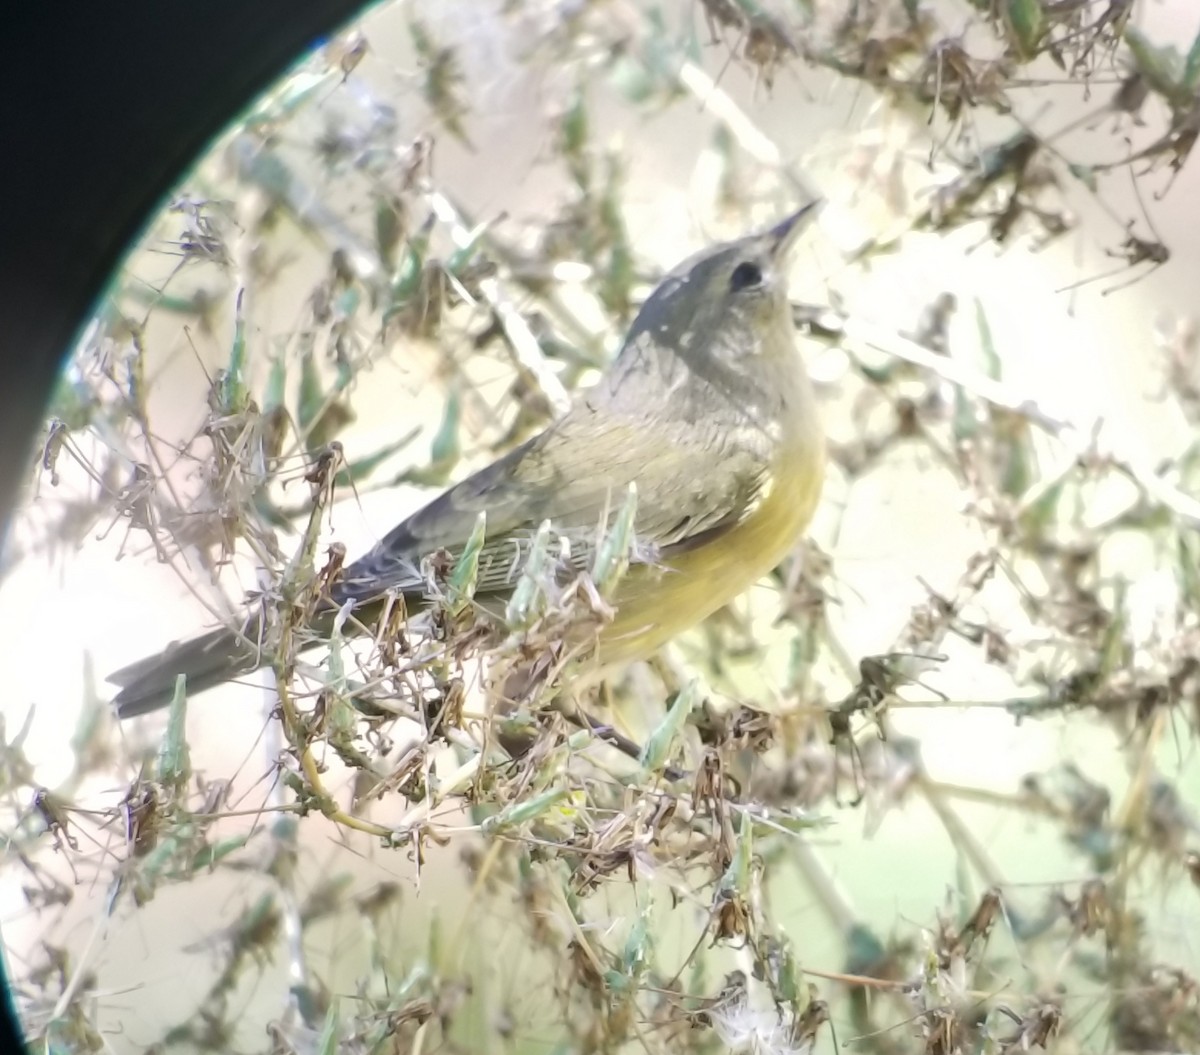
686, 498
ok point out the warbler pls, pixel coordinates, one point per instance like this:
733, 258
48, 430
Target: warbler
707, 409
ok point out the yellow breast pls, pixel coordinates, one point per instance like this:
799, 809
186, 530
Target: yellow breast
654, 606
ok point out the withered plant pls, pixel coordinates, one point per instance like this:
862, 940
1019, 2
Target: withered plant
743, 845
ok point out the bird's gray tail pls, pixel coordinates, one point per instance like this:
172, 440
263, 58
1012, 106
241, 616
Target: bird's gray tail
206, 661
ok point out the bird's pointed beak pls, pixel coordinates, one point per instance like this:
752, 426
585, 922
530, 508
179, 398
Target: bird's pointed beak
784, 234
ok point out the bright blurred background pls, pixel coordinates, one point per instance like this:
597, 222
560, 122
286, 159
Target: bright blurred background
706, 144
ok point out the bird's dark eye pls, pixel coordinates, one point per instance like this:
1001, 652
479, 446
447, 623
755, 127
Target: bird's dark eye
747, 275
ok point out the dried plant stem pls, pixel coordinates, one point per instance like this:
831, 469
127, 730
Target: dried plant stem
821, 884
715, 100
1081, 440
455, 781
321, 797
257, 164
625, 889
527, 353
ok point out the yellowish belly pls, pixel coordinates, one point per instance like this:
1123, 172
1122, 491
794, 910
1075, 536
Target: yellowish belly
656, 605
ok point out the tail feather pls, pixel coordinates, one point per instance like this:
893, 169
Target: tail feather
206, 661
225, 653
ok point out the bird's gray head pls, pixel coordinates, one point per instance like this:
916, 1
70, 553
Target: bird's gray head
724, 300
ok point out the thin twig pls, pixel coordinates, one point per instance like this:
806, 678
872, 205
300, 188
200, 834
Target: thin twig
1083, 441
525, 348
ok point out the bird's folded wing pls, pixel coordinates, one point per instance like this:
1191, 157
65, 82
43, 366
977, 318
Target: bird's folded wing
576, 475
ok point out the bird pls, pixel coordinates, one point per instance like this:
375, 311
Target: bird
707, 409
